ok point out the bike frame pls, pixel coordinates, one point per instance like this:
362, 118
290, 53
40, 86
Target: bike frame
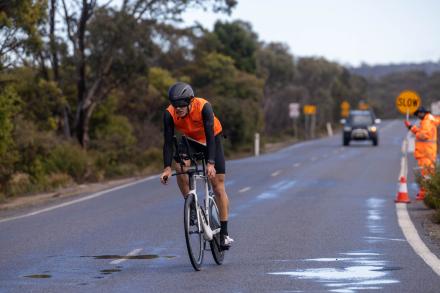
194, 174
203, 219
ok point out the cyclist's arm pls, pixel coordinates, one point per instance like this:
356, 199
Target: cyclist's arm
208, 123
168, 134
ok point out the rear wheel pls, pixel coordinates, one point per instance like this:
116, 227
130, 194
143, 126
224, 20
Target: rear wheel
214, 221
193, 234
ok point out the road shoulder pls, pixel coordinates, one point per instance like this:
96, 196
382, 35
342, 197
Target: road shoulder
429, 232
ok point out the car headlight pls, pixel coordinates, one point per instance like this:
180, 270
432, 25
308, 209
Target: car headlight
373, 128
347, 128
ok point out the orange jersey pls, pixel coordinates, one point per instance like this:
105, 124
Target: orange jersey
192, 124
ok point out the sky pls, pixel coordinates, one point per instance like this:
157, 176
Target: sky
348, 32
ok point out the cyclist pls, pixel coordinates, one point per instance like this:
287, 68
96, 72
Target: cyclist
195, 118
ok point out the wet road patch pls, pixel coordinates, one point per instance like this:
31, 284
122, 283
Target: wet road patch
138, 257
109, 271
39, 276
350, 273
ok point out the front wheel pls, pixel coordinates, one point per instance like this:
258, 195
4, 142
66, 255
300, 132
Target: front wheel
214, 221
193, 233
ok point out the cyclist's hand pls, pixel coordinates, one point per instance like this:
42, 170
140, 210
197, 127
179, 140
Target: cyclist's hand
165, 175
210, 170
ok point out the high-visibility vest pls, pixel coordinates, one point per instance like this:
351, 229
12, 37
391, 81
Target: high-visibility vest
192, 124
426, 138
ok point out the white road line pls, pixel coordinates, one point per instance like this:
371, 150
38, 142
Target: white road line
131, 253
276, 173
94, 195
245, 189
296, 165
414, 240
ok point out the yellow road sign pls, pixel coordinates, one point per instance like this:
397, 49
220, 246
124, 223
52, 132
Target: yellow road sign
309, 109
345, 105
408, 102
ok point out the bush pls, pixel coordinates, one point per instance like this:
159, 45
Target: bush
151, 160
70, 159
432, 187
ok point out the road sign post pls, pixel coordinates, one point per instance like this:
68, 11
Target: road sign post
407, 102
310, 119
345, 109
294, 114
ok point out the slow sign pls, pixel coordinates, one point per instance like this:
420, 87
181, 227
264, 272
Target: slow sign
407, 102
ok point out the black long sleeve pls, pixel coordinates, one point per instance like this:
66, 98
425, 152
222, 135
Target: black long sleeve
168, 133
208, 124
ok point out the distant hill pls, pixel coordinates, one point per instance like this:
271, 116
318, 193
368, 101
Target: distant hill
378, 71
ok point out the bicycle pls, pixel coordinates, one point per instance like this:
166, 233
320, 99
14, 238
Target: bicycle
201, 222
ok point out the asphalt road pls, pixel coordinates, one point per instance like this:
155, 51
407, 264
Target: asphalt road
314, 217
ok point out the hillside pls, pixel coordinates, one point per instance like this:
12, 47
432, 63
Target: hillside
379, 71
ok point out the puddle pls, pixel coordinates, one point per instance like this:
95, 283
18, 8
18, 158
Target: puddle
40, 276
141, 256
348, 274
109, 271
375, 207
267, 195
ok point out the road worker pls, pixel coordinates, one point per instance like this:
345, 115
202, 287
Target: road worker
426, 142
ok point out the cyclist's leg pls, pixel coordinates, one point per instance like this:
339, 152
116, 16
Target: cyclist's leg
182, 180
221, 197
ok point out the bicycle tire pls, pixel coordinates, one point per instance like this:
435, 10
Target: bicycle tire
217, 253
193, 236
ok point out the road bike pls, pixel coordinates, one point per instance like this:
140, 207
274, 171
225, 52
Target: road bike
201, 220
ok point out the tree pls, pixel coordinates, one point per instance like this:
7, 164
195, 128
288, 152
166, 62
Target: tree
234, 39
18, 27
92, 89
9, 106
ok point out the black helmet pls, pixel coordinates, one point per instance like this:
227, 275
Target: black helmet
180, 94
421, 109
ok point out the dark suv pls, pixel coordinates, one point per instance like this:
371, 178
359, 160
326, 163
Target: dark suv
360, 125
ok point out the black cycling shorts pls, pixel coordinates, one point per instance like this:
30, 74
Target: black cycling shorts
220, 166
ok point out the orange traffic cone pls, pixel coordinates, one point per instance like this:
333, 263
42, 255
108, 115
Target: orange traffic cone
402, 194
420, 194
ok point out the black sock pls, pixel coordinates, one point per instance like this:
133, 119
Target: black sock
224, 227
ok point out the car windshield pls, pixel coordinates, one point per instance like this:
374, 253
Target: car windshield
361, 120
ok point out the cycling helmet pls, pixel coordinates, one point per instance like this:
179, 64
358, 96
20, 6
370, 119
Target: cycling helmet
180, 94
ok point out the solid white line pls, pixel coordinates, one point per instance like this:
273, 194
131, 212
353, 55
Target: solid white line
276, 173
94, 195
414, 240
244, 189
131, 253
